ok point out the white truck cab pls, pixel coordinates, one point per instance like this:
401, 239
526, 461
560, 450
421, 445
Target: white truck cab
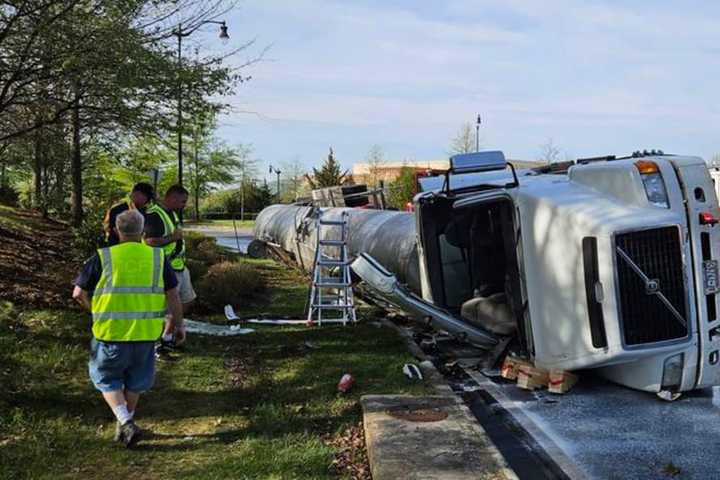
609, 264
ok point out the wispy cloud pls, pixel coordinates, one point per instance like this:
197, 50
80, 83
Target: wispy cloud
594, 75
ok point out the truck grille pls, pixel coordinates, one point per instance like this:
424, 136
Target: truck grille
646, 318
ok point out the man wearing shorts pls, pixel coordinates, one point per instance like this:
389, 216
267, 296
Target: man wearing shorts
128, 288
163, 229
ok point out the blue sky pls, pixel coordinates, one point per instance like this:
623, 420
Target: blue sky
596, 77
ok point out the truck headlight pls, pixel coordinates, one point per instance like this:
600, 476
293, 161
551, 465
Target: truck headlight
672, 372
653, 183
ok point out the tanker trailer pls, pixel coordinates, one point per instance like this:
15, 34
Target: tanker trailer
609, 263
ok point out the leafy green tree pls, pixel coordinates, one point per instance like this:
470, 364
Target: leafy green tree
401, 191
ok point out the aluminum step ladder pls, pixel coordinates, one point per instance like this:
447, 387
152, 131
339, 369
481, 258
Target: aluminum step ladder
331, 288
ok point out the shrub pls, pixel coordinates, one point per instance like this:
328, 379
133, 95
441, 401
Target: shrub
89, 235
9, 196
207, 252
197, 268
192, 239
230, 282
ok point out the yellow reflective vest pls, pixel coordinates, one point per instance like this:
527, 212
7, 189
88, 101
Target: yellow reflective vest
128, 304
175, 251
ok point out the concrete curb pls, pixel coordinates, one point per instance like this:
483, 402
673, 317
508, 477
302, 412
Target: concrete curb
455, 448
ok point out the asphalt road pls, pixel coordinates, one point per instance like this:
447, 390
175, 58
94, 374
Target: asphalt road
604, 431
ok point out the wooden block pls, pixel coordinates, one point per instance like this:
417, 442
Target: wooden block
532, 378
510, 367
560, 381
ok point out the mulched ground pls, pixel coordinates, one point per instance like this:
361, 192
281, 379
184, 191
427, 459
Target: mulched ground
37, 265
351, 459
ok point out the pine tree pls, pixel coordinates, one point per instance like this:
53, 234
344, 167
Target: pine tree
329, 174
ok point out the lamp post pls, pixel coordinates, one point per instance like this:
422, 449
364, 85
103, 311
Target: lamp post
477, 133
278, 180
180, 33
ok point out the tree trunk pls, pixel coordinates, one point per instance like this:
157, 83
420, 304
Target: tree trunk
37, 171
76, 169
197, 177
46, 190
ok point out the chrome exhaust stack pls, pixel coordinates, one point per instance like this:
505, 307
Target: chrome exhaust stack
387, 286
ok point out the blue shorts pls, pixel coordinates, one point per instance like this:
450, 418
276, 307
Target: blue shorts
122, 365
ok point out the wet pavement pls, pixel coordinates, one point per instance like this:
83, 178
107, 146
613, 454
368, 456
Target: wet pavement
226, 237
601, 430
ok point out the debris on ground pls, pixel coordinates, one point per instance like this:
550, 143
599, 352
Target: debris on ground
671, 470
351, 460
529, 377
346, 383
412, 371
240, 368
561, 381
203, 328
28, 245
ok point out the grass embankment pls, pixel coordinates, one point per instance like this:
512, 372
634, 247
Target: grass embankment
260, 406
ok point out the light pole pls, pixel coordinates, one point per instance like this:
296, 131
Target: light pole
278, 180
477, 133
180, 34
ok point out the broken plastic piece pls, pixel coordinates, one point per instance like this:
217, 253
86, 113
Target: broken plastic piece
412, 371
202, 328
230, 313
668, 396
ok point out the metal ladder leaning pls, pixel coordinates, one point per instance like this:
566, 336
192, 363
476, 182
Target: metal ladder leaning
322, 297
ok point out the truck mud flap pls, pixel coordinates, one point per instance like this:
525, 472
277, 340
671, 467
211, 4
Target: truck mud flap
386, 286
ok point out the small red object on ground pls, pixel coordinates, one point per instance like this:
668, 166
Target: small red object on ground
346, 383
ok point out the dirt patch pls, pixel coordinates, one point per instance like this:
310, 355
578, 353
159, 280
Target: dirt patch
351, 459
420, 415
240, 368
37, 265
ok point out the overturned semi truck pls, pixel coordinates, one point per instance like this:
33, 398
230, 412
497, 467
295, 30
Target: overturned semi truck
604, 263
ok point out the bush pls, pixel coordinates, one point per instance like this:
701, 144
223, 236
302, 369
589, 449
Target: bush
9, 196
197, 268
89, 235
207, 252
230, 282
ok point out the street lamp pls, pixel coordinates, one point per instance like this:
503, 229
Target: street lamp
278, 180
477, 133
180, 34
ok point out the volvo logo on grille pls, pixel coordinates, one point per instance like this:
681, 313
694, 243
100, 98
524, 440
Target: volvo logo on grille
652, 286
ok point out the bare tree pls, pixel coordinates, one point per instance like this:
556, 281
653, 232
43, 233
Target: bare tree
375, 161
294, 179
465, 141
549, 152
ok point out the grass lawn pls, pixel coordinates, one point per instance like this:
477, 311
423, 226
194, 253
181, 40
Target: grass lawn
221, 223
260, 406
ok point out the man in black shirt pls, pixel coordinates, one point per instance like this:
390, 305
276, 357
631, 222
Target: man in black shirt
140, 197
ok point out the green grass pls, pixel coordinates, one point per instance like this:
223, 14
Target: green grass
222, 223
258, 406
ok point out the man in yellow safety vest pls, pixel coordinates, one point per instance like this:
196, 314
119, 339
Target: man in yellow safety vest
163, 229
128, 288
139, 198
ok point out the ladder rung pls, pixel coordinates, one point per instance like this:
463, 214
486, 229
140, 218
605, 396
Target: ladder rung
334, 243
333, 222
332, 284
333, 307
332, 263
